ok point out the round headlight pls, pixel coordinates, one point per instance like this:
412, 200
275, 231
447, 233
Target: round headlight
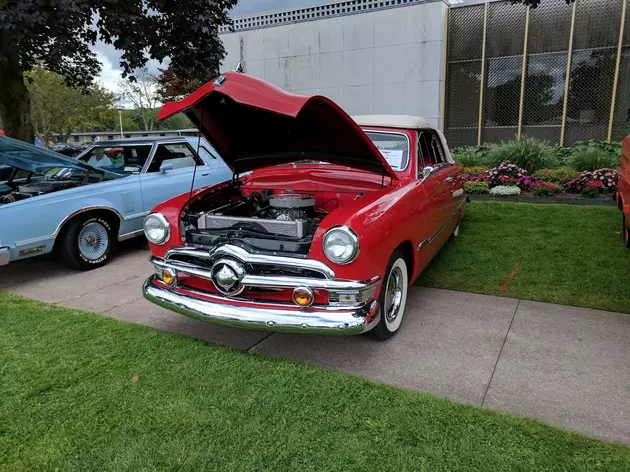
156, 228
341, 245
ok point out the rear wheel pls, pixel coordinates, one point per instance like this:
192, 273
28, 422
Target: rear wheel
392, 298
625, 232
87, 242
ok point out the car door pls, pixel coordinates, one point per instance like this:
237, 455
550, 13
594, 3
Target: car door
170, 173
437, 182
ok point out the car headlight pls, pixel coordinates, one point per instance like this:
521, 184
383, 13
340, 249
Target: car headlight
156, 228
341, 245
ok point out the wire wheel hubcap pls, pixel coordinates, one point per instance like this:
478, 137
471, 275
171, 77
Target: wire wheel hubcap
93, 241
394, 294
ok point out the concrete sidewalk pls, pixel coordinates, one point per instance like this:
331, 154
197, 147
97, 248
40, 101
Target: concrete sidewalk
566, 366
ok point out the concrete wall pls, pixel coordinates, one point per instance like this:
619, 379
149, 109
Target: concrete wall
381, 62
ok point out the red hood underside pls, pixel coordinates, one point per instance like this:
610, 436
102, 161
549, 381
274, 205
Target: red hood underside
253, 124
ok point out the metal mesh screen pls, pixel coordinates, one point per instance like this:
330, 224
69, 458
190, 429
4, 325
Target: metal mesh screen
590, 88
621, 119
590, 94
465, 34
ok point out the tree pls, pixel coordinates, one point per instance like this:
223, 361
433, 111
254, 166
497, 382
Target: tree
58, 108
58, 34
172, 86
535, 3
142, 94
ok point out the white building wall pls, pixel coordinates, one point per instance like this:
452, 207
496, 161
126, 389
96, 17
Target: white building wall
387, 61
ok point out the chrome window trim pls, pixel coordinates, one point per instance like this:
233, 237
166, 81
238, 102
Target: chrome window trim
380, 131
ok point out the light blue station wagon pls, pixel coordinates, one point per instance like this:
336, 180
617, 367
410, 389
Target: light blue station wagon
82, 206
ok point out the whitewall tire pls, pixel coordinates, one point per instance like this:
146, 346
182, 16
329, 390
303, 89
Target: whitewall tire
392, 298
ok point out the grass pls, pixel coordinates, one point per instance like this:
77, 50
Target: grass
70, 403
565, 254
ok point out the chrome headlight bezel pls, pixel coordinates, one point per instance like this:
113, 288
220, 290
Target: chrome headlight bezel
159, 217
352, 238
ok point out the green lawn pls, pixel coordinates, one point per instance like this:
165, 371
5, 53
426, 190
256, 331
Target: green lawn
68, 404
566, 254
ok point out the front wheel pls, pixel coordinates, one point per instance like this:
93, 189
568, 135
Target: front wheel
392, 298
87, 243
625, 232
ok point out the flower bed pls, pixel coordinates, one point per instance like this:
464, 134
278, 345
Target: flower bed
508, 179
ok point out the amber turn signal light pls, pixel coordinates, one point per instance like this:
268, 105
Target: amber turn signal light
168, 276
303, 296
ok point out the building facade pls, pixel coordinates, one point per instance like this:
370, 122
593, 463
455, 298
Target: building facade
370, 57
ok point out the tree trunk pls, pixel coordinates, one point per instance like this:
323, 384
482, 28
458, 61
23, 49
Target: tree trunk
15, 101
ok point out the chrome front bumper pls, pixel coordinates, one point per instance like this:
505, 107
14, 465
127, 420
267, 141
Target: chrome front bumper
5, 255
252, 315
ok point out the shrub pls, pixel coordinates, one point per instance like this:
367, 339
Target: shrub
505, 172
505, 190
476, 187
529, 154
607, 179
475, 170
557, 176
468, 156
592, 159
592, 188
545, 189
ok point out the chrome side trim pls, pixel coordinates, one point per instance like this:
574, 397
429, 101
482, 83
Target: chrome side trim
428, 241
136, 215
236, 252
26, 242
5, 255
133, 234
341, 321
266, 281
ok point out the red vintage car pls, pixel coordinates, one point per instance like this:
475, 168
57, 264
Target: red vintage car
325, 223
623, 191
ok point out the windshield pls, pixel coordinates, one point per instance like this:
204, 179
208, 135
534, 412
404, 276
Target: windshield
393, 146
125, 159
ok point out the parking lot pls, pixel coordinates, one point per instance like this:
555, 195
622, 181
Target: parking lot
566, 366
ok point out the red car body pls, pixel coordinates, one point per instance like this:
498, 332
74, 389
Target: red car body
623, 190
407, 211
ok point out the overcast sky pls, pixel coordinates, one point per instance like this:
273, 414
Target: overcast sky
110, 57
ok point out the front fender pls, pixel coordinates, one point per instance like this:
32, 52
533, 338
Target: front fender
379, 220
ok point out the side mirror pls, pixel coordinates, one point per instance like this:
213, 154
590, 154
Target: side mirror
166, 166
427, 171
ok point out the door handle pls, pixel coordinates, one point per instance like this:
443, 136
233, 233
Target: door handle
205, 174
448, 180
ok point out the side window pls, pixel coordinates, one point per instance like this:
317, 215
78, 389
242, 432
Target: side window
436, 148
430, 152
205, 154
179, 155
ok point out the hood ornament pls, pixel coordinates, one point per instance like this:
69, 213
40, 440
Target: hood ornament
227, 275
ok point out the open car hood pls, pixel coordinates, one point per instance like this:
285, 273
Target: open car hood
253, 124
33, 159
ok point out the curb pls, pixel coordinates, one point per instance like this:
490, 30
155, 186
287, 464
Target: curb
565, 201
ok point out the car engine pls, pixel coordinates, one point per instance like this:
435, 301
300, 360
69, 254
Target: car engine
286, 214
35, 188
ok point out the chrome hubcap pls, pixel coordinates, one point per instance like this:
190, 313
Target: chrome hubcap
394, 294
93, 241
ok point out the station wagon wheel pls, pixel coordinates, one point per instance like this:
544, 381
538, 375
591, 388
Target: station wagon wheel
87, 242
392, 298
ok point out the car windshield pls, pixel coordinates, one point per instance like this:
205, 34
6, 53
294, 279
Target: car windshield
120, 159
393, 146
